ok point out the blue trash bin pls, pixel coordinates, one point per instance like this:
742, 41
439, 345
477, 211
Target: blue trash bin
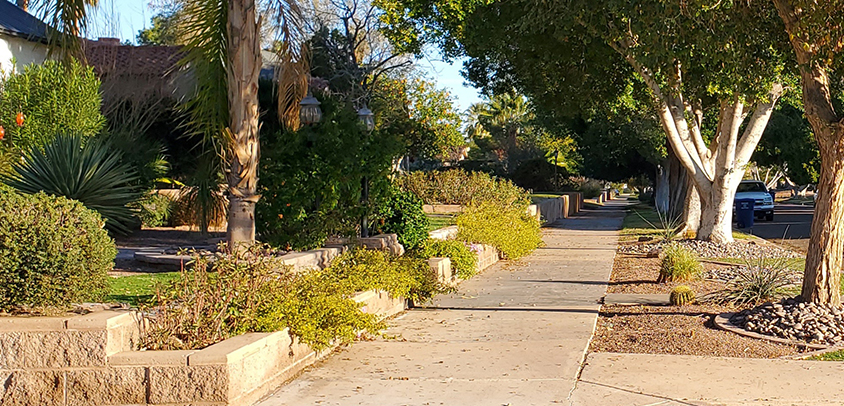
744, 213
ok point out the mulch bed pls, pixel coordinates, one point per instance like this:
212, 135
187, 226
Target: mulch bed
686, 330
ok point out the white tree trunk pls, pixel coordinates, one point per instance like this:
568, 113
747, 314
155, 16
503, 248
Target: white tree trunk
717, 211
691, 212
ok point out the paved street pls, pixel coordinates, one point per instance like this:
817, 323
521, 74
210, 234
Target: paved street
514, 335
791, 222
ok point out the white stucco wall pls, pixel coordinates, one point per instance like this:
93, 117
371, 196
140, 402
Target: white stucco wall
24, 52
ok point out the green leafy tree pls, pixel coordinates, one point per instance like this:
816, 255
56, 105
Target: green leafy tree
164, 30
789, 146
720, 60
422, 115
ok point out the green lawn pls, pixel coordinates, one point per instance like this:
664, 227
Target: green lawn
437, 221
830, 356
137, 289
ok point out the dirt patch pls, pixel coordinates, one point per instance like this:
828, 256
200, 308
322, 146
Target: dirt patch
636, 274
687, 330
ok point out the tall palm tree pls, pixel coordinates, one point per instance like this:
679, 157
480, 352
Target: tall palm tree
223, 42
500, 121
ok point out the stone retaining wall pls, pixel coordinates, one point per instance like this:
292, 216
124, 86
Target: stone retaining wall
91, 360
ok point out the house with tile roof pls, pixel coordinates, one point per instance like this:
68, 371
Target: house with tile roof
23, 38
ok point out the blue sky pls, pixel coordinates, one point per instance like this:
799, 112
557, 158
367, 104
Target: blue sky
123, 19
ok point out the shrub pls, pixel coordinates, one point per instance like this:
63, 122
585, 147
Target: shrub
678, 264
154, 210
90, 173
590, 188
402, 214
54, 99
463, 260
311, 179
457, 186
511, 230
53, 252
682, 295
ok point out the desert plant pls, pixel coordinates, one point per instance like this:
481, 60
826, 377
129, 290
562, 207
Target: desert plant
463, 260
89, 172
53, 251
402, 214
756, 282
668, 227
154, 209
511, 230
681, 296
678, 263
52, 98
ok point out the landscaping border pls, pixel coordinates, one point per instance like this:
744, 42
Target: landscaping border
92, 360
722, 321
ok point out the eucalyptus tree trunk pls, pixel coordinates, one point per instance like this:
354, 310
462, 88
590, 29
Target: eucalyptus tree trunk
243, 69
822, 273
717, 168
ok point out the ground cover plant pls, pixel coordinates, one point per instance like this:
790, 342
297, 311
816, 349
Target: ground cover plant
509, 229
53, 252
463, 260
251, 291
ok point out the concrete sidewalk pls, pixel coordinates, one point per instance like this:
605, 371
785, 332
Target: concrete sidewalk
514, 335
651, 379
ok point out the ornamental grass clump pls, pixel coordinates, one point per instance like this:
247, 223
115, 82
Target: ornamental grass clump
53, 252
509, 229
463, 260
757, 282
678, 264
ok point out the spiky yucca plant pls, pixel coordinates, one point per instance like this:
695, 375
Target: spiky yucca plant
89, 172
681, 296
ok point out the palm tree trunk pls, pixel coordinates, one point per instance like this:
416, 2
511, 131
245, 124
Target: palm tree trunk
243, 70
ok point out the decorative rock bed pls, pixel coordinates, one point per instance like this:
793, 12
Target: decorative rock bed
796, 321
728, 274
748, 250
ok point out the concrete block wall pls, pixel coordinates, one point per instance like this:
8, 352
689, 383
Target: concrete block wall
92, 360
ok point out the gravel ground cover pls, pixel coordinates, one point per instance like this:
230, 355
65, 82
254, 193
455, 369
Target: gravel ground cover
738, 249
794, 319
671, 329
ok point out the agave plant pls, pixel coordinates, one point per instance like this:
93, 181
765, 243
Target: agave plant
90, 172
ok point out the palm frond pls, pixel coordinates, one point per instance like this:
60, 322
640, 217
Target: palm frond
294, 57
67, 20
203, 29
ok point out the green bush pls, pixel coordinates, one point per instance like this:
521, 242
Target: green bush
463, 260
511, 230
89, 172
402, 214
53, 252
154, 210
539, 175
590, 188
311, 179
678, 264
457, 186
54, 99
